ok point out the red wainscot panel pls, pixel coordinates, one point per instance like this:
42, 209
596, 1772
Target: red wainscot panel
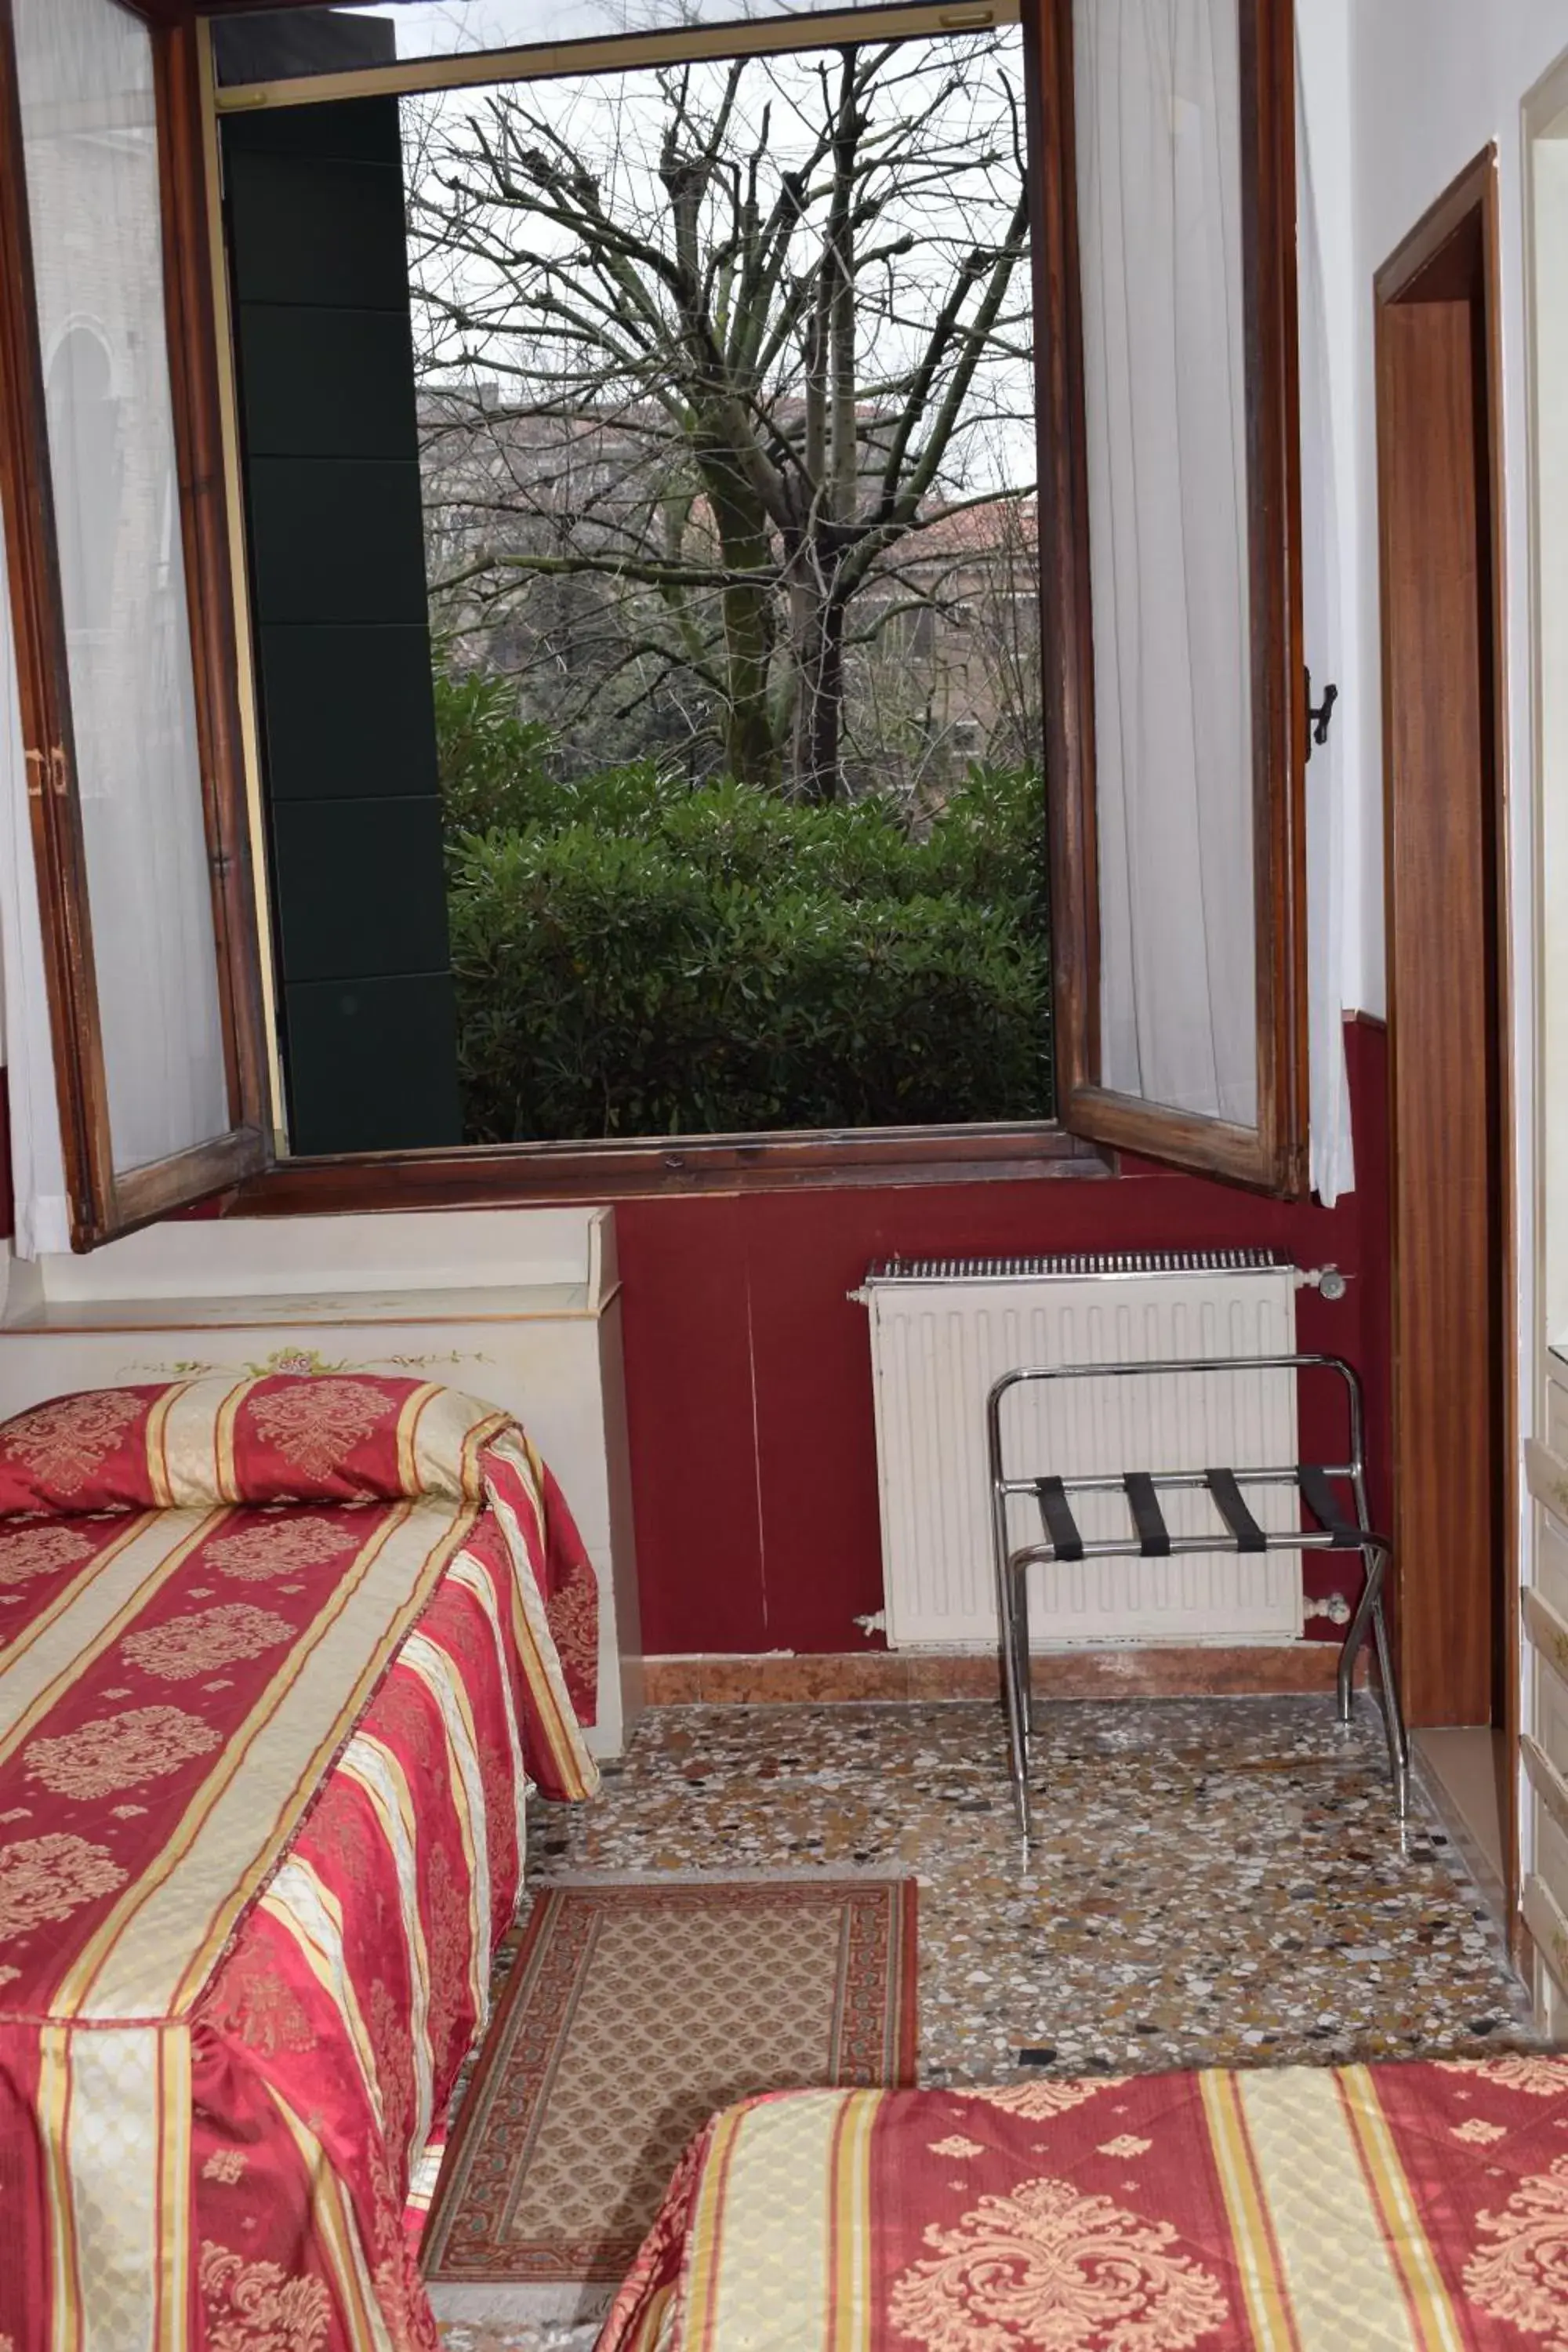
749, 1394
686, 1334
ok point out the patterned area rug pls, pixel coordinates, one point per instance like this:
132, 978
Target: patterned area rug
634, 2011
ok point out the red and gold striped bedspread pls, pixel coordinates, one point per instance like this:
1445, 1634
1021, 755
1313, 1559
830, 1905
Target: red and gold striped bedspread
1413, 2208
277, 1659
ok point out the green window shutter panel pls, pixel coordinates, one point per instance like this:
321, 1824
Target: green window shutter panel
325, 370
318, 229
350, 712
370, 1068
275, 45
344, 910
337, 539
356, 365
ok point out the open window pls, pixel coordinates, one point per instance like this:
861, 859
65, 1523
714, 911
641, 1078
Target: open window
1174, 703
670, 412
243, 808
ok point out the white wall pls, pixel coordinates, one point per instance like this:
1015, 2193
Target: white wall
1400, 96
1550, 396
1433, 82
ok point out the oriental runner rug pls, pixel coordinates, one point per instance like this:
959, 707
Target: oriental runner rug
635, 2010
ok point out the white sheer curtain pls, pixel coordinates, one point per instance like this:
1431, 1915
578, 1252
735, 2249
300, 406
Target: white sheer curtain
37, 1169
1332, 1157
90, 151
1157, 112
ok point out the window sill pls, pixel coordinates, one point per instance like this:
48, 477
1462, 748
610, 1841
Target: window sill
516, 1175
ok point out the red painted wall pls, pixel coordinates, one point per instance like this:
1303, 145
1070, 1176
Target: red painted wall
748, 1391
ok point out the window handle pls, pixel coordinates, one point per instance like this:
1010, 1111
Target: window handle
1318, 719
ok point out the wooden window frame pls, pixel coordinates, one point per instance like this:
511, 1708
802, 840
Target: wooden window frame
1090, 1117
104, 1202
1273, 1155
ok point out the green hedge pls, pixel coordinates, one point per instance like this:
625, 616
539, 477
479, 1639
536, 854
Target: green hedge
635, 955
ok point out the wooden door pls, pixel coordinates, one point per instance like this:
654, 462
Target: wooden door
1444, 807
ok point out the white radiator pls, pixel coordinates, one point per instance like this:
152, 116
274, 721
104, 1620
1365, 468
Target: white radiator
942, 1331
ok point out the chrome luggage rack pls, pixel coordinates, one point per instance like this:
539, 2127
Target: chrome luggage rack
1152, 1539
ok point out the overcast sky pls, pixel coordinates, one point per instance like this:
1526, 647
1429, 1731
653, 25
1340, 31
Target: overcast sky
433, 28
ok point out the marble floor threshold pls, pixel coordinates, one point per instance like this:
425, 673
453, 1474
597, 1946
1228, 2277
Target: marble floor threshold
1466, 1773
1212, 1882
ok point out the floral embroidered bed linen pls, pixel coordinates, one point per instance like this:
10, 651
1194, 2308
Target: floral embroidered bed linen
277, 1659
1409, 2207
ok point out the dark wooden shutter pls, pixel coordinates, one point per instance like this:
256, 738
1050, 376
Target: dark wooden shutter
325, 364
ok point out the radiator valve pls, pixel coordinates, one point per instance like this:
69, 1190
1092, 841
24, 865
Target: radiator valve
1328, 1282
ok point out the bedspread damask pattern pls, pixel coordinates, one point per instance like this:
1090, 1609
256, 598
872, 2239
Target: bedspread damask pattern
275, 1671
1419, 2207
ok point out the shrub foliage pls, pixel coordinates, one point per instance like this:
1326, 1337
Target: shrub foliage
637, 955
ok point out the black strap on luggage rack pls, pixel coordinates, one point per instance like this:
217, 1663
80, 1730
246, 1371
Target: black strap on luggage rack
1318, 1498
1056, 1512
1143, 1489
1144, 1502
1231, 1504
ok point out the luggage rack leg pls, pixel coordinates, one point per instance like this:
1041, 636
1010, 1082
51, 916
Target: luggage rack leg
1376, 1555
1393, 1712
1013, 1612
1369, 1611
1013, 1626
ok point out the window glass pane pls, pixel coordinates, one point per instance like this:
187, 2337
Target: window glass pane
284, 44
91, 147
1159, 186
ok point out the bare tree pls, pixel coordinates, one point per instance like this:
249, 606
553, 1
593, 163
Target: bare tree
1006, 631
725, 339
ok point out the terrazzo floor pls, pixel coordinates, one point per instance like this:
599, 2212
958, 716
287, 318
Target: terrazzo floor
1212, 1882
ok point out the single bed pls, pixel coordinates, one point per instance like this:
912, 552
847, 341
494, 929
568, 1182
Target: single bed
278, 1659
1410, 2207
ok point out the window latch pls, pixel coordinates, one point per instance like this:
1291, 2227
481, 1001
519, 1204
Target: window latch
1318, 719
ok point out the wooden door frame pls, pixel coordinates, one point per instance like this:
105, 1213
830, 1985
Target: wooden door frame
1469, 203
